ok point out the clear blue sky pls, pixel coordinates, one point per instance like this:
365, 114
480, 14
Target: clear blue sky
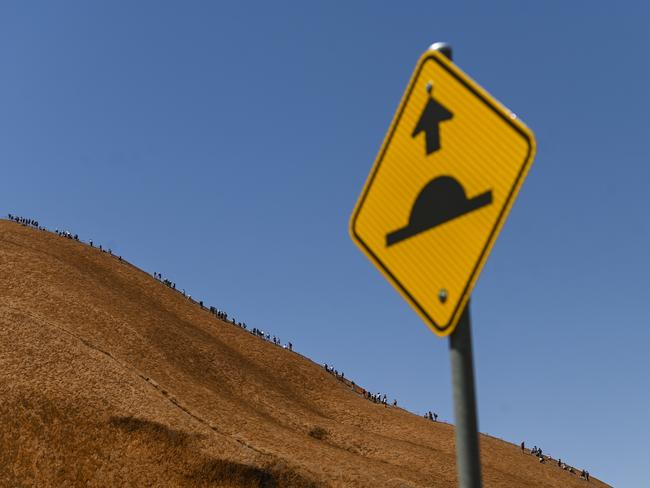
225, 145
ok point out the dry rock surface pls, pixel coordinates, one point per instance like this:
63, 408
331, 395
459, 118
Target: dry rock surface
110, 378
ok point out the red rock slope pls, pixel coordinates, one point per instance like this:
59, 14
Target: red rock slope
110, 378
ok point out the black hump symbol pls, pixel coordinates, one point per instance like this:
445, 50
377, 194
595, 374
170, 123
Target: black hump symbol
441, 200
432, 115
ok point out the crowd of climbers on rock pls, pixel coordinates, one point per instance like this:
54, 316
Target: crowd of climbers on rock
267, 337
222, 315
373, 397
431, 416
167, 282
65, 233
330, 369
61, 233
378, 398
539, 454
24, 221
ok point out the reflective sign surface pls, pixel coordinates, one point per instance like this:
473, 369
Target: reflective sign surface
448, 171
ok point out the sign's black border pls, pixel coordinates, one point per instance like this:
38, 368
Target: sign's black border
499, 220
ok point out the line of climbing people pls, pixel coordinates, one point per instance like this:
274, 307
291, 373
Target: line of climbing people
542, 458
222, 315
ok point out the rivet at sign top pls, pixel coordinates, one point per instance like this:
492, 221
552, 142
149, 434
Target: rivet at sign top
442, 295
429, 87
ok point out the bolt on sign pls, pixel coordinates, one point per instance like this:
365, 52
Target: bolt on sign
439, 192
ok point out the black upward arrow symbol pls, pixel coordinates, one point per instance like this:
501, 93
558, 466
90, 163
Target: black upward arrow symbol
432, 115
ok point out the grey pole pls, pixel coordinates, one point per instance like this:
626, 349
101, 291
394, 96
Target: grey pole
468, 462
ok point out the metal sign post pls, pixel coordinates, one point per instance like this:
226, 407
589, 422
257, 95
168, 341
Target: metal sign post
443, 183
468, 462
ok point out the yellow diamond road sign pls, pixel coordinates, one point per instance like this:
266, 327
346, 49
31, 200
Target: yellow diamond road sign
443, 183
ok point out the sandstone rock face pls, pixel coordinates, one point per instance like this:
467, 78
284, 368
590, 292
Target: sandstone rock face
110, 378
